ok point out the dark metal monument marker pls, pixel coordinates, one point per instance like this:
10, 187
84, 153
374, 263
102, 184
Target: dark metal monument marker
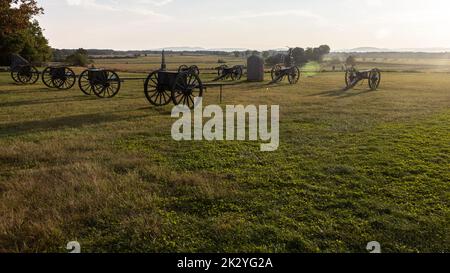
255, 69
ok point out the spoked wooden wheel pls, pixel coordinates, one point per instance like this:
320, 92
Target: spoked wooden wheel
85, 84
66, 81
237, 73
15, 76
155, 92
374, 79
28, 75
183, 68
47, 78
276, 73
221, 69
62, 80
294, 75
109, 87
186, 89
350, 77
195, 69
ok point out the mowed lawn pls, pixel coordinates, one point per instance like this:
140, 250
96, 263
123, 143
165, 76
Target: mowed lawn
352, 167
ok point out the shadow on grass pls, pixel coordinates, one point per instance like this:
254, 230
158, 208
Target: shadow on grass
45, 101
71, 122
342, 93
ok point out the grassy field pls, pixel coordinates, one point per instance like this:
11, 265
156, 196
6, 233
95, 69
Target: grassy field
352, 167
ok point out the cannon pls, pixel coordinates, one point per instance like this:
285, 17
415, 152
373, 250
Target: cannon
279, 73
181, 88
59, 77
22, 71
224, 72
185, 68
286, 70
100, 82
353, 77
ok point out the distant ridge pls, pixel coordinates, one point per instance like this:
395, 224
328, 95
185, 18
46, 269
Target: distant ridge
183, 48
376, 49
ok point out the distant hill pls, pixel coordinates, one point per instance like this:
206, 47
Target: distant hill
189, 49
376, 49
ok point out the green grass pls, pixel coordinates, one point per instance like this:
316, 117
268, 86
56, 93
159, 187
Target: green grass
352, 167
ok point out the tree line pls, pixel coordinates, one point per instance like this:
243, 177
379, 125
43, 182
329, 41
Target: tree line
299, 56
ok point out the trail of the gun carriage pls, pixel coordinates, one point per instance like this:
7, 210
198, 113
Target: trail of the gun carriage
353, 166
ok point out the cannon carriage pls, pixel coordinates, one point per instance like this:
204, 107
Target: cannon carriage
181, 88
224, 72
100, 82
279, 73
353, 77
22, 71
286, 70
59, 77
185, 68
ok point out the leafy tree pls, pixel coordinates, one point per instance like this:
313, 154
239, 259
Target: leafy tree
19, 33
275, 59
16, 15
79, 58
298, 54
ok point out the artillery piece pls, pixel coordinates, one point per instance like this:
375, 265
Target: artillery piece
185, 68
101, 82
59, 77
182, 87
281, 71
224, 72
22, 71
353, 77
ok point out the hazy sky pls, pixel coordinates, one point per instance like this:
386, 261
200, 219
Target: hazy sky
256, 24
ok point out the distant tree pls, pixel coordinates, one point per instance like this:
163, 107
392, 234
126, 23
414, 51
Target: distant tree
351, 61
298, 55
248, 53
237, 54
266, 54
79, 58
275, 59
324, 50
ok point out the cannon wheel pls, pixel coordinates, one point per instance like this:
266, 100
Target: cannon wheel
154, 92
63, 84
350, 77
186, 88
110, 88
47, 77
237, 73
26, 76
374, 79
15, 76
275, 73
68, 81
183, 68
294, 75
195, 69
220, 69
84, 84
